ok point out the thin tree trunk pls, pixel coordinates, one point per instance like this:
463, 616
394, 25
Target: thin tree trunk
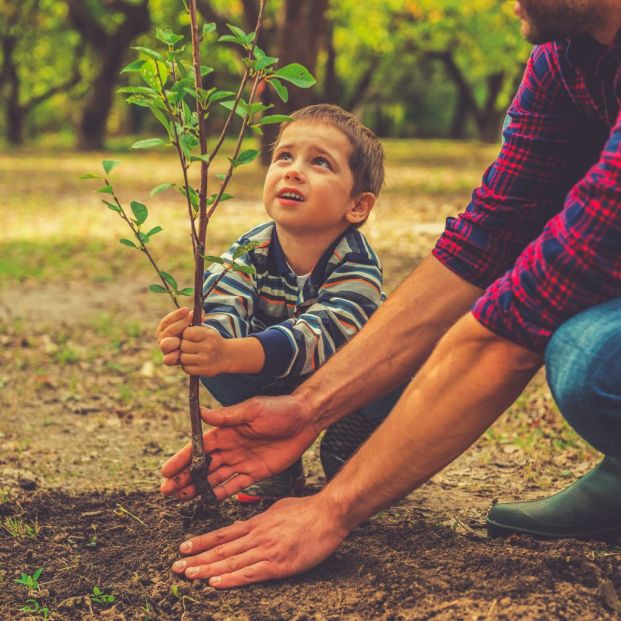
13, 113
110, 48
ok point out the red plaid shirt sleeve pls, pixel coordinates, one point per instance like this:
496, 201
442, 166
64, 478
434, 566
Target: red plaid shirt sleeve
559, 238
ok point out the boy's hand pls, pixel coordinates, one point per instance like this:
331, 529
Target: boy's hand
169, 332
203, 352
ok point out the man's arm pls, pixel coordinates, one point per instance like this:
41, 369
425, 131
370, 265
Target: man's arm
471, 377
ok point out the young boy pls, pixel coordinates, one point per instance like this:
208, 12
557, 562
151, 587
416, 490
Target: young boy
316, 280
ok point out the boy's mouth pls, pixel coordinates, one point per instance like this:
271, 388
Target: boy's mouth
291, 195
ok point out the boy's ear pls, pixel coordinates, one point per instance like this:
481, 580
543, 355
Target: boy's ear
361, 208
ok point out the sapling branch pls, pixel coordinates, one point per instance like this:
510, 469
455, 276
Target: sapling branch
141, 245
242, 86
182, 159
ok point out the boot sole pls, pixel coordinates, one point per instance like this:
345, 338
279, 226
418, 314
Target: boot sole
495, 530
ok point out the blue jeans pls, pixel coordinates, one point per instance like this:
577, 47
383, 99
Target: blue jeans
230, 389
583, 366
341, 439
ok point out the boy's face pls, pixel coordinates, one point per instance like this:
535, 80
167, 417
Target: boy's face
309, 183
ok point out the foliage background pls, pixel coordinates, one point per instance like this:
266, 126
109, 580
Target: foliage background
409, 68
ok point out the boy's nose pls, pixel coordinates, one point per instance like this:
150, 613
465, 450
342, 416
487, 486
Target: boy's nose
293, 173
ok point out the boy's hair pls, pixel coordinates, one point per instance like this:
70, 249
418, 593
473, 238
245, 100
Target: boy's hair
367, 157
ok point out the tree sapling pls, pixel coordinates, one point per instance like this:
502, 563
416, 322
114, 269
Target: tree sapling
171, 82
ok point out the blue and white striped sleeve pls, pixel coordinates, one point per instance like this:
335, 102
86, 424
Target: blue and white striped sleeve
346, 301
230, 304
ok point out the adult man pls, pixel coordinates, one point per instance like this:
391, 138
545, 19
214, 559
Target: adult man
549, 212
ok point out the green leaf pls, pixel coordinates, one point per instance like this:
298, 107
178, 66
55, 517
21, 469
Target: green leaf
140, 212
194, 198
200, 158
169, 279
157, 289
225, 197
154, 231
229, 39
274, 118
90, 176
240, 110
110, 165
107, 189
246, 269
206, 70
158, 189
296, 74
168, 36
128, 243
138, 90
150, 72
245, 158
264, 61
209, 28
221, 176
150, 53
212, 259
113, 206
187, 143
146, 102
161, 117
238, 32
148, 143
135, 66
218, 95
187, 291
280, 88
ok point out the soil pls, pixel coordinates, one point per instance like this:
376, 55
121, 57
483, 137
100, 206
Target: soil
87, 415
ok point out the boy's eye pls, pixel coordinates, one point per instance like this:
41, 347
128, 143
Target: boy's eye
322, 161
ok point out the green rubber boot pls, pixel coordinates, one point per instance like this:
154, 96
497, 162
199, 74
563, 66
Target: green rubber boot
588, 509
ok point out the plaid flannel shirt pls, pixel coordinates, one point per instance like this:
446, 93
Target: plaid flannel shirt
543, 232
299, 328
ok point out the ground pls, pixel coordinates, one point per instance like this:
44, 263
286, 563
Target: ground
88, 414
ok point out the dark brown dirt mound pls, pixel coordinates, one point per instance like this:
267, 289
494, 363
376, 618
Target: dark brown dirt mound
388, 569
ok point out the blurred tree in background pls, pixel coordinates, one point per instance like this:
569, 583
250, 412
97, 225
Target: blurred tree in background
441, 68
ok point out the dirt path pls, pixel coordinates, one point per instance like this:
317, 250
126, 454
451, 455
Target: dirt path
88, 414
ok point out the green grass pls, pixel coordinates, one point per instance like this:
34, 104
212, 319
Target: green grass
54, 227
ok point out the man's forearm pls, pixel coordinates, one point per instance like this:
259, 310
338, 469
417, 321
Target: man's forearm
392, 346
469, 380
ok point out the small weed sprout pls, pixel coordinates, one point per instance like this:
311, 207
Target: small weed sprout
30, 582
99, 596
92, 541
34, 607
4, 492
21, 529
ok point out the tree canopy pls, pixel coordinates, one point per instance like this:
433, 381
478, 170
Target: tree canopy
408, 67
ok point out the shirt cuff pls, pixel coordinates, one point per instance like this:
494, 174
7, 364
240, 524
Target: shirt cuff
278, 352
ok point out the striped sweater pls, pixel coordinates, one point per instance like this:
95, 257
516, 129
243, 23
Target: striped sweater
299, 329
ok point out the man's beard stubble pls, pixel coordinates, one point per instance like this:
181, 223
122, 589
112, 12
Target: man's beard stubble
547, 20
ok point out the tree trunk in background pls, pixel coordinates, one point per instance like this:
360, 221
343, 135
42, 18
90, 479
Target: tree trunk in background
110, 48
301, 30
10, 84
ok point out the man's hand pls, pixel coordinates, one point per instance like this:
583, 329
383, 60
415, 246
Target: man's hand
252, 441
304, 531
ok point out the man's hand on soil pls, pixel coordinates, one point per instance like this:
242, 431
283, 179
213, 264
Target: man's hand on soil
292, 536
251, 441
